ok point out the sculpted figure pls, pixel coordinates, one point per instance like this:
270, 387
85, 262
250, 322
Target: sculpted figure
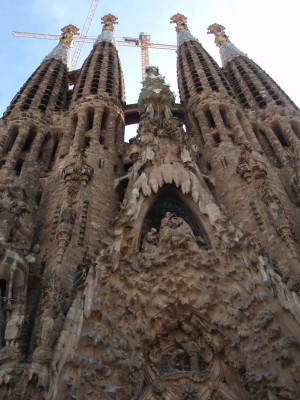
176, 230
14, 326
150, 241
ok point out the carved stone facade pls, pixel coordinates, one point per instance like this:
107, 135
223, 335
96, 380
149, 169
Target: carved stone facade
166, 268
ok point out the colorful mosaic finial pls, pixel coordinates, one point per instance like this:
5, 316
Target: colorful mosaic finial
107, 34
183, 33
108, 22
219, 32
68, 32
228, 51
62, 50
180, 21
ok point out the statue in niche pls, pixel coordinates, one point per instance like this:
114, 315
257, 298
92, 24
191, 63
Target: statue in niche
12, 210
150, 241
175, 229
156, 98
277, 212
64, 229
14, 325
186, 357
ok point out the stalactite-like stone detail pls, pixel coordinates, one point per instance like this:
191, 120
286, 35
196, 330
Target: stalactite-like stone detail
76, 174
276, 211
83, 220
55, 222
243, 167
257, 216
194, 292
64, 229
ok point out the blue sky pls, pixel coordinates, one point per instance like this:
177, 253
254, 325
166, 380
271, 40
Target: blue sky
266, 30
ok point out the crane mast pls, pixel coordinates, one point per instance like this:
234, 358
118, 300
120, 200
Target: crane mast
84, 31
143, 41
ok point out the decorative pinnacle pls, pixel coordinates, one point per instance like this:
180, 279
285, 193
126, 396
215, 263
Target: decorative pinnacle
219, 32
108, 22
67, 35
180, 21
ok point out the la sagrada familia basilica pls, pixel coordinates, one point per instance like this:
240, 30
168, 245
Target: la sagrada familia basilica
166, 268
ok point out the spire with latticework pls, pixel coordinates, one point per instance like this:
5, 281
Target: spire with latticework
253, 86
107, 34
198, 73
62, 51
101, 71
228, 51
47, 87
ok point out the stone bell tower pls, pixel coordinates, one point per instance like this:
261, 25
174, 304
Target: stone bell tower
275, 119
166, 268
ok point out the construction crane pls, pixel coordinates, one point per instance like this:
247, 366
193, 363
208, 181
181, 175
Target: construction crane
143, 41
84, 31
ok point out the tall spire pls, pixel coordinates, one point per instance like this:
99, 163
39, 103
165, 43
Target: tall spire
228, 51
107, 34
62, 50
184, 35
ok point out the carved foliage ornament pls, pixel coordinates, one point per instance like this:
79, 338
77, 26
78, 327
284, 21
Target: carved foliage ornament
108, 22
68, 32
219, 32
180, 21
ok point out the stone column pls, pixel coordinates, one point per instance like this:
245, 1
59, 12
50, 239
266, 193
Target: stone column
17, 148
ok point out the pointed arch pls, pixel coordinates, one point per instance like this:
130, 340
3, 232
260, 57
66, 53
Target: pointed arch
189, 355
170, 199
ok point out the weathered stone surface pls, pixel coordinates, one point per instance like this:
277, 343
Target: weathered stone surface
166, 268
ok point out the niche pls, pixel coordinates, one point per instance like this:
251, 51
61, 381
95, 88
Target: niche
104, 120
2, 288
224, 117
89, 119
209, 117
266, 146
74, 122
19, 165
279, 134
216, 137
30, 139
169, 200
296, 128
12, 136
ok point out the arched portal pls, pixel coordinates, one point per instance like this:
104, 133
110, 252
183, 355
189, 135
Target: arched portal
170, 200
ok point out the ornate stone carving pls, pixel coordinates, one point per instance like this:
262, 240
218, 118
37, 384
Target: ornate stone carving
244, 168
76, 174
64, 229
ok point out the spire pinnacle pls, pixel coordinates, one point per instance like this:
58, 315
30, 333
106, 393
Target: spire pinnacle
180, 21
68, 32
62, 51
228, 51
108, 21
107, 34
183, 33
219, 32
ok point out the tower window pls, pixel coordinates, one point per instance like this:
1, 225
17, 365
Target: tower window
104, 119
19, 165
210, 118
30, 139
279, 134
13, 133
224, 117
296, 128
90, 119
216, 137
2, 287
74, 125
